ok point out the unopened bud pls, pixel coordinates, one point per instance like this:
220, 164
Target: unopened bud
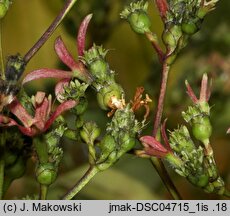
46, 174
136, 15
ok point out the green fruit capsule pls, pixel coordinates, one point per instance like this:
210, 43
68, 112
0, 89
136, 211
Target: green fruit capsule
139, 22
99, 69
46, 174
202, 129
104, 96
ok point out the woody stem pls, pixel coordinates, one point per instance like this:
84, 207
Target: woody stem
69, 4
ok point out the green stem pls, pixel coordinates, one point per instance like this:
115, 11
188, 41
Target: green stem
69, 4
41, 149
162, 172
2, 69
43, 192
91, 172
2, 168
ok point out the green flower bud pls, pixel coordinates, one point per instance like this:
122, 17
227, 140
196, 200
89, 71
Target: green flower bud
10, 158
107, 146
52, 138
90, 132
171, 36
79, 121
99, 69
202, 128
177, 164
4, 6
127, 142
111, 159
137, 16
17, 169
139, 22
71, 134
202, 12
189, 28
104, 96
94, 59
46, 174
198, 117
75, 91
180, 140
216, 186
199, 180
81, 106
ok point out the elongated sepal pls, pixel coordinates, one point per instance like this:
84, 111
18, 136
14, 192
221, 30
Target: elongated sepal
153, 147
81, 37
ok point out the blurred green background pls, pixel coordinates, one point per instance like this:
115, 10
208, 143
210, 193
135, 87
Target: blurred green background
136, 64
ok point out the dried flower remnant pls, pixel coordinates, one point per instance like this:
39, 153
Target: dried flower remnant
138, 101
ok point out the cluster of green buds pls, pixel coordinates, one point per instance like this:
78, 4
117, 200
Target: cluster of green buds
75, 90
182, 18
188, 158
198, 116
15, 151
136, 15
120, 138
4, 6
49, 153
104, 81
196, 166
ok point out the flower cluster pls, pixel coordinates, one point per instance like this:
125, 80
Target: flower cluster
196, 163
